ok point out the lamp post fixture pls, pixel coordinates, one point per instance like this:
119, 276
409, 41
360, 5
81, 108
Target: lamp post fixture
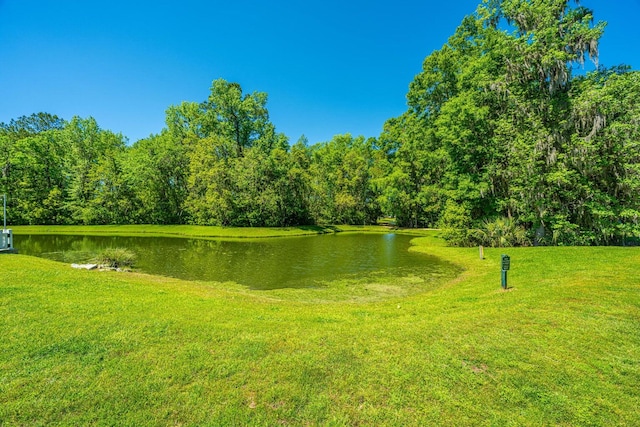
506, 265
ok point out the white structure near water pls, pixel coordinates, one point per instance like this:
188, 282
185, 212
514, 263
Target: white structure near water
6, 240
6, 237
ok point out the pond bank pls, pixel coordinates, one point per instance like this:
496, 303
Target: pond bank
199, 231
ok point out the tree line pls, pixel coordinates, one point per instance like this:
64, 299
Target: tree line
218, 162
502, 143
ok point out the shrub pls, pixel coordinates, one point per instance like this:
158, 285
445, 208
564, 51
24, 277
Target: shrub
116, 258
455, 224
501, 232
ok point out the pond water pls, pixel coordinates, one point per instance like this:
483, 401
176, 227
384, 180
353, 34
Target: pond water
257, 263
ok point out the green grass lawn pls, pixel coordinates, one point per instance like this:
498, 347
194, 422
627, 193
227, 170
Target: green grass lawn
199, 231
560, 347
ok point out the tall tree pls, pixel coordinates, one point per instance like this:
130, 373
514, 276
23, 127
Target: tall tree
412, 172
40, 179
496, 101
90, 151
34, 124
342, 181
11, 176
156, 170
606, 154
243, 118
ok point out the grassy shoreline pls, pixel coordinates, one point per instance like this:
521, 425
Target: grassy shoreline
560, 347
196, 231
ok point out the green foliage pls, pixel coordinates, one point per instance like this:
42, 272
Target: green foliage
116, 258
342, 174
412, 171
456, 224
500, 233
517, 135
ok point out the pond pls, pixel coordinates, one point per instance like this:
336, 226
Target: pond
291, 262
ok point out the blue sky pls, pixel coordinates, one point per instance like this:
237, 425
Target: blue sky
329, 67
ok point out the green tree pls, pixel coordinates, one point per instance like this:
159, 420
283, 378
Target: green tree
342, 181
40, 179
411, 172
236, 160
21, 177
32, 125
606, 156
493, 107
243, 118
156, 170
210, 197
91, 153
